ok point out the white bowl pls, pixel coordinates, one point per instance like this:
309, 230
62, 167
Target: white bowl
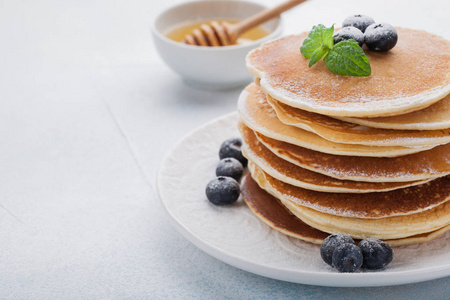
209, 67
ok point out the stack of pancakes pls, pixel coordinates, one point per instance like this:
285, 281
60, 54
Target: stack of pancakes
365, 156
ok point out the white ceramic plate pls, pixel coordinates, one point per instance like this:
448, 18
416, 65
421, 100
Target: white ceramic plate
235, 236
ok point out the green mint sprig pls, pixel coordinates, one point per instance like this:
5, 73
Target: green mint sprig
343, 58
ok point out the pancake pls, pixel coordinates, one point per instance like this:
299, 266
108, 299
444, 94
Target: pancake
419, 166
433, 117
257, 114
273, 213
292, 174
392, 227
349, 133
407, 78
386, 228
370, 206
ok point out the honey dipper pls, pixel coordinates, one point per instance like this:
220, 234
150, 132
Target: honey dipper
215, 34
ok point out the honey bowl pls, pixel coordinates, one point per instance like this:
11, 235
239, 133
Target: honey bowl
211, 68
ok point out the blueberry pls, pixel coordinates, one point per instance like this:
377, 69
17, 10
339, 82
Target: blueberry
230, 167
359, 21
380, 37
222, 190
232, 148
348, 33
347, 258
376, 254
331, 243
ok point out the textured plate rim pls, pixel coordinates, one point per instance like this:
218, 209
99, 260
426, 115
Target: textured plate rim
332, 279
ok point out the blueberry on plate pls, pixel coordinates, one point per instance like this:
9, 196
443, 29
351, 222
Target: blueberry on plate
347, 258
359, 21
222, 190
349, 33
380, 37
331, 243
230, 167
376, 253
232, 148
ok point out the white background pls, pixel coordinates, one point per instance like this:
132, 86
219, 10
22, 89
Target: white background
88, 110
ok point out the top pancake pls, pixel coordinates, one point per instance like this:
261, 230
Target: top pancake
407, 78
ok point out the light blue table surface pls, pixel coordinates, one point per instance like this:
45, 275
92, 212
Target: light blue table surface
88, 112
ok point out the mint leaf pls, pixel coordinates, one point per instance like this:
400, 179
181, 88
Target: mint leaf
347, 58
318, 42
327, 36
344, 58
317, 55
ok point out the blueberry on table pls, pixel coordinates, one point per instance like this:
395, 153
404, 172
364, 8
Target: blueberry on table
222, 190
349, 33
331, 243
232, 148
359, 21
230, 167
347, 258
380, 37
376, 253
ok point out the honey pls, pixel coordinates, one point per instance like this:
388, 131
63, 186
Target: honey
177, 33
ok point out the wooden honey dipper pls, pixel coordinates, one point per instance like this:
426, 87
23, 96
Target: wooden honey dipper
215, 34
